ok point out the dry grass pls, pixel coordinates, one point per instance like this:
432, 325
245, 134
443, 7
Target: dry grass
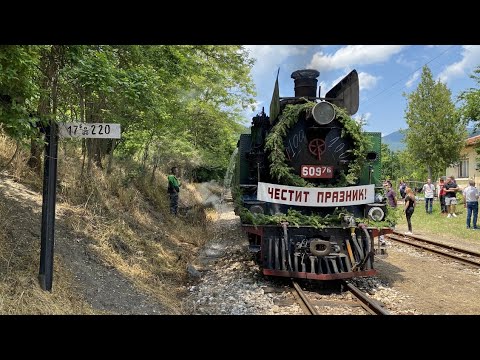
135, 233
19, 289
128, 221
18, 167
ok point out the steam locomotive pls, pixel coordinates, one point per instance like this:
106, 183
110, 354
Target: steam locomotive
307, 184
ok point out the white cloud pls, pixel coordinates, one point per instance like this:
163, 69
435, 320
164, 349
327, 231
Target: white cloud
351, 55
270, 57
366, 81
436, 46
413, 78
471, 59
407, 63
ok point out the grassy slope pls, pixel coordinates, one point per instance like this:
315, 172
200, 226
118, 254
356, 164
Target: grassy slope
127, 217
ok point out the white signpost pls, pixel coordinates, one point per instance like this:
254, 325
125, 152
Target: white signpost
89, 130
64, 130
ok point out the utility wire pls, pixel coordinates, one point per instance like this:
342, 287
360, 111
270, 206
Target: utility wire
405, 77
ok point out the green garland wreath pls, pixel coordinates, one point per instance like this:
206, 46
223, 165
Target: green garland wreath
284, 174
296, 218
274, 143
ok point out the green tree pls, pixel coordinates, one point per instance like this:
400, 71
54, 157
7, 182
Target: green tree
18, 89
470, 108
390, 163
435, 136
179, 104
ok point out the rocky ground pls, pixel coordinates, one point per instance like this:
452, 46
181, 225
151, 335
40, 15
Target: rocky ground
231, 282
226, 280
409, 282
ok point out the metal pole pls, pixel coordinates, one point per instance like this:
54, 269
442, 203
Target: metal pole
45, 275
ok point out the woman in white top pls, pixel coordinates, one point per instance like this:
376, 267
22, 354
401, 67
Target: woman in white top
428, 190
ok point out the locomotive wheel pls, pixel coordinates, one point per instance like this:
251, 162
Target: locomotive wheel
316, 244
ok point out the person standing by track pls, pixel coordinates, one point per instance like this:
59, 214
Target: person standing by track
409, 208
451, 189
441, 196
470, 201
428, 190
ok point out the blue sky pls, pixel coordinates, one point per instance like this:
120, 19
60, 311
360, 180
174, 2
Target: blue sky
385, 73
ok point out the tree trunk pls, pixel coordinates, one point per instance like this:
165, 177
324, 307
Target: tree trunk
81, 106
110, 156
89, 155
97, 152
145, 153
89, 117
35, 159
84, 154
50, 64
156, 160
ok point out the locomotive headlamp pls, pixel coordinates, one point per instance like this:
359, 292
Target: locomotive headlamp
376, 213
323, 113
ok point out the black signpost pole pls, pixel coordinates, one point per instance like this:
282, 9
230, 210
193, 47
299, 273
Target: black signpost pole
45, 275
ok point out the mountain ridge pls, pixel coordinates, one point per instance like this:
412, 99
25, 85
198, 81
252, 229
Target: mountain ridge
394, 139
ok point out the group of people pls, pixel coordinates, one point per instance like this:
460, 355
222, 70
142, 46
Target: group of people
407, 194
446, 192
448, 200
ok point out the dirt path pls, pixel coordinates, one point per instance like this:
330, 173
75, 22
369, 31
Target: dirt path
103, 287
417, 282
431, 284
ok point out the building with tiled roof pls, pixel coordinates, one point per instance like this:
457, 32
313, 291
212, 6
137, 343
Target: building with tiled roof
467, 167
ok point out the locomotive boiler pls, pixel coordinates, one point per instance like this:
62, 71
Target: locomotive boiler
307, 184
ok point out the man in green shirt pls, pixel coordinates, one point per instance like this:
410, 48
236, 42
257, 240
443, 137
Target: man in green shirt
173, 190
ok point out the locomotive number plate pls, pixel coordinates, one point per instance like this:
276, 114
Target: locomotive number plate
317, 171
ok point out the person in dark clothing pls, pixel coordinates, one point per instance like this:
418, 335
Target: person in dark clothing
451, 189
402, 188
391, 197
409, 208
441, 196
173, 190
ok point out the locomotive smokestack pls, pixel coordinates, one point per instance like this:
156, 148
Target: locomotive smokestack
305, 82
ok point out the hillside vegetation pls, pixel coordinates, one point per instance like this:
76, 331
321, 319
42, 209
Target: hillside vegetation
125, 219
177, 105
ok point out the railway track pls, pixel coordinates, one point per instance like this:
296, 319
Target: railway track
452, 252
370, 305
